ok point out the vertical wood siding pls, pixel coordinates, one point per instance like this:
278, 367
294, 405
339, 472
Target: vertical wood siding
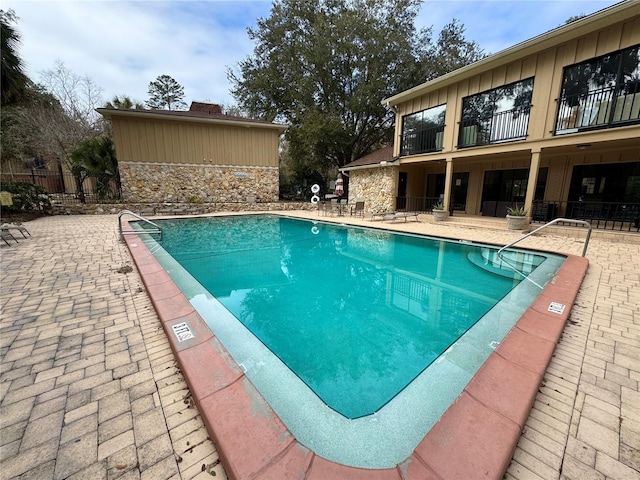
180, 142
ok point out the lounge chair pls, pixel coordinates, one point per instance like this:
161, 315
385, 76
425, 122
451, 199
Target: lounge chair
406, 215
382, 215
6, 236
391, 216
7, 227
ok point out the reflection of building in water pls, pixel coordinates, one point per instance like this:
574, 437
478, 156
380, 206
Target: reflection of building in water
428, 298
374, 243
232, 253
436, 282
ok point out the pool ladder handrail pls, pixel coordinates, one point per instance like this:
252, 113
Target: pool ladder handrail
552, 222
156, 228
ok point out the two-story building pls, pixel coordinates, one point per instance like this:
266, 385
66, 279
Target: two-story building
551, 124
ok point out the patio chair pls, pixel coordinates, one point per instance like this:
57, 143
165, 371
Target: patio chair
358, 209
7, 227
330, 207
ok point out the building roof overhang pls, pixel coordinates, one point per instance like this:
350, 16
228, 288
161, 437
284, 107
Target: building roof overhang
382, 157
619, 12
190, 117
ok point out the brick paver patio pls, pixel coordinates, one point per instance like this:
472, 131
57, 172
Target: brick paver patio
89, 387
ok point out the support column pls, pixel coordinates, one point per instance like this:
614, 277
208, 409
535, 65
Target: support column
531, 184
448, 180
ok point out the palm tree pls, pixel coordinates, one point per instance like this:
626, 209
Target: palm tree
124, 103
97, 158
13, 80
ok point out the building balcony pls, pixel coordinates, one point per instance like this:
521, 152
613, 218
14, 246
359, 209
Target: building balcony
507, 126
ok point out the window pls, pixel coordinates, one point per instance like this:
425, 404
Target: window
502, 189
605, 183
423, 131
497, 115
601, 92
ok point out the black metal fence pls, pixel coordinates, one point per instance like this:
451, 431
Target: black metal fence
68, 189
620, 216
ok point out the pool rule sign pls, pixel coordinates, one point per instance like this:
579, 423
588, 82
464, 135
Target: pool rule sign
182, 331
556, 307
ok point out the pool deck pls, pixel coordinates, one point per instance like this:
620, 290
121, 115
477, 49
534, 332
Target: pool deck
91, 388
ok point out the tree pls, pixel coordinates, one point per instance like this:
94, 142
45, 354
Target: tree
26, 126
233, 110
124, 103
574, 18
78, 95
324, 67
166, 94
450, 52
54, 118
97, 157
13, 84
13, 81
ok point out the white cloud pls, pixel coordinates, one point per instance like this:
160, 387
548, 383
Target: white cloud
499, 24
123, 45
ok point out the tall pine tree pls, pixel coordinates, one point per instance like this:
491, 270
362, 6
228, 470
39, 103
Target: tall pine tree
166, 94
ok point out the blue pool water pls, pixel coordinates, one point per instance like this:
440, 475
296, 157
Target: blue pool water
360, 316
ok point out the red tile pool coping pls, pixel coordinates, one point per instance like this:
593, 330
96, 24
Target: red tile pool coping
476, 436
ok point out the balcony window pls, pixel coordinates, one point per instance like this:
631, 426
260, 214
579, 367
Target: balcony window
601, 92
423, 131
495, 116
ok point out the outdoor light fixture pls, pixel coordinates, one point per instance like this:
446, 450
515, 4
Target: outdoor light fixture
583, 146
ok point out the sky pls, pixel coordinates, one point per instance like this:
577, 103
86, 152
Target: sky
123, 45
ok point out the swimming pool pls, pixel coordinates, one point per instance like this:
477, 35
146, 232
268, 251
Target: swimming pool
417, 276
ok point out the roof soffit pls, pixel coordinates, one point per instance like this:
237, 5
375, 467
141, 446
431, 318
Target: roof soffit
185, 117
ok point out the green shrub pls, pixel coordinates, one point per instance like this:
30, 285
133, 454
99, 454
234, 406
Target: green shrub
26, 197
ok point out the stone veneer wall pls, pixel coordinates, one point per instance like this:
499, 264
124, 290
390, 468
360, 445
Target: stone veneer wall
166, 182
155, 209
376, 187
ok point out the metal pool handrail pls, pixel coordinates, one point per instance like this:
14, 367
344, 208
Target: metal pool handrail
566, 220
584, 251
156, 228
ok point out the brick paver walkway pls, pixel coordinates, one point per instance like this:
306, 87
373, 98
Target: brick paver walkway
89, 387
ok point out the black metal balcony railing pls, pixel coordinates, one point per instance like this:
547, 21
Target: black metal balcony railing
422, 141
504, 126
600, 108
621, 216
